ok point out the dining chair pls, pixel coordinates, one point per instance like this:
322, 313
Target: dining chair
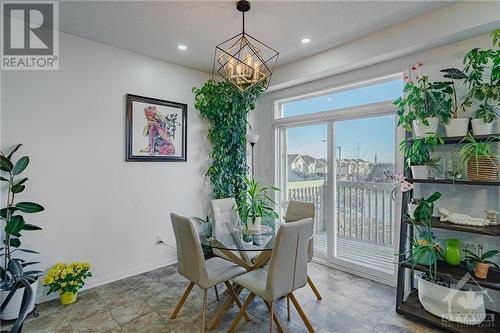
192, 265
296, 211
225, 216
286, 273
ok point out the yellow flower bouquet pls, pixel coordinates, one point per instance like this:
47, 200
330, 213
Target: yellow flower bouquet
67, 279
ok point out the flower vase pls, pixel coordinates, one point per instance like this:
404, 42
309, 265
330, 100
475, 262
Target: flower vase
67, 297
452, 253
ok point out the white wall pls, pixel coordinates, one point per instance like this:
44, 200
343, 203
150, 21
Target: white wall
72, 124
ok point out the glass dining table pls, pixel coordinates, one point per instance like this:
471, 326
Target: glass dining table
250, 249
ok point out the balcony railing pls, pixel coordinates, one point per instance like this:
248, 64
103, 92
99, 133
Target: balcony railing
365, 210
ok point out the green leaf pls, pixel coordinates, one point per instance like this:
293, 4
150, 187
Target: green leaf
14, 150
31, 227
22, 181
15, 242
5, 164
15, 225
17, 188
21, 164
3, 179
29, 263
3, 211
489, 254
29, 207
28, 251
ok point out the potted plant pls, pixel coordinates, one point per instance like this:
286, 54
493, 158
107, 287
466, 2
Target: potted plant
11, 215
434, 291
480, 264
67, 279
423, 103
480, 158
455, 126
482, 68
256, 205
418, 152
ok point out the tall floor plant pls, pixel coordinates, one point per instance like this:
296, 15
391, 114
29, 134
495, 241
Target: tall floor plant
226, 109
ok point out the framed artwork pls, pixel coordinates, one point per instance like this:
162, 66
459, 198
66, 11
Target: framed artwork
156, 130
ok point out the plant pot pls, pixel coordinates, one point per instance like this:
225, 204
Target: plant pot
420, 171
457, 127
254, 225
483, 168
481, 270
448, 303
67, 297
12, 310
452, 253
479, 127
422, 131
411, 209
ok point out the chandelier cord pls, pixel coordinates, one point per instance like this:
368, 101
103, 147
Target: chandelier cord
243, 23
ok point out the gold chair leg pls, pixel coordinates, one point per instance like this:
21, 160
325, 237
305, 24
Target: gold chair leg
216, 293
277, 321
287, 308
301, 313
237, 319
271, 313
313, 287
182, 300
204, 310
236, 299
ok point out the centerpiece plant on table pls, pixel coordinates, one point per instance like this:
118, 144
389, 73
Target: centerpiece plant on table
418, 155
12, 216
482, 69
256, 205
480, 158
67, 279
423, 103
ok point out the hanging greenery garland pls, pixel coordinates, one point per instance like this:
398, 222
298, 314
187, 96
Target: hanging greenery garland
226, 109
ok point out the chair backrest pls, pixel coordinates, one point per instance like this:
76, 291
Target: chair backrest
190, 259
288, 264
224, 212
299, 210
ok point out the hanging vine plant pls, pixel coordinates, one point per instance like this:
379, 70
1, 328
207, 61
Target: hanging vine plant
226, 109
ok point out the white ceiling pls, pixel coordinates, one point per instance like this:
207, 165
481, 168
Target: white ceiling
155, 28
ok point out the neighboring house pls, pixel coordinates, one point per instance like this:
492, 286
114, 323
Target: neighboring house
304, 167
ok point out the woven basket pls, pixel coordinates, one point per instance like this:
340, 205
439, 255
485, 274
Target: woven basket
486, 169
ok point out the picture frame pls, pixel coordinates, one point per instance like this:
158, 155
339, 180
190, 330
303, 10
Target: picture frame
155, 130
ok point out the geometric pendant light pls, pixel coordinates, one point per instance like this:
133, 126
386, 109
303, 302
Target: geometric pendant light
243, 60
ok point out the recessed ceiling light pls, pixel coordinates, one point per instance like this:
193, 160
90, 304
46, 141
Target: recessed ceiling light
305, 40
182, 47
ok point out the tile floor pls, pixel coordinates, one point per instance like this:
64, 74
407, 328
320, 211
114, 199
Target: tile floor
143, 303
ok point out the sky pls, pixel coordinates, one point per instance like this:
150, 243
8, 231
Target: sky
359, 138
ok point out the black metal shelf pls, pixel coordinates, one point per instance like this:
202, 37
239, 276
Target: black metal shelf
459, 139
453, 182
414, 309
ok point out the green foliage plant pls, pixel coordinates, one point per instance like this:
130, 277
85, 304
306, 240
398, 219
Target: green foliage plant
473, 149
418, 150
226, 109
482, 68
257, 202
454, 74
424, 245
11, 215
474, 259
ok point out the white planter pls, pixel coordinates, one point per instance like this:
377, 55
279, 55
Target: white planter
420, 171
466, 307
479, 127
424, 131
254, 226
457, 127
12, 310
411, 209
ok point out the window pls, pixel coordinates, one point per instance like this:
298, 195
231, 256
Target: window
375, 93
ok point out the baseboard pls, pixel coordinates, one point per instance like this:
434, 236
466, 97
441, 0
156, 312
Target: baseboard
96, 282
355, 272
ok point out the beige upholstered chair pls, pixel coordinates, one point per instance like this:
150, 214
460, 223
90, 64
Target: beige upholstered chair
192, 265
286, 273
296, 211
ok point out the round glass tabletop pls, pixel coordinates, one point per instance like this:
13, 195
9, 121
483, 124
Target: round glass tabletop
236, 237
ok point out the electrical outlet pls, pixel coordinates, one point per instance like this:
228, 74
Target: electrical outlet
159, 239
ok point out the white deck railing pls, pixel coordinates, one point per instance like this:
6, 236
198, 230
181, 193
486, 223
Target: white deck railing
365, 210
